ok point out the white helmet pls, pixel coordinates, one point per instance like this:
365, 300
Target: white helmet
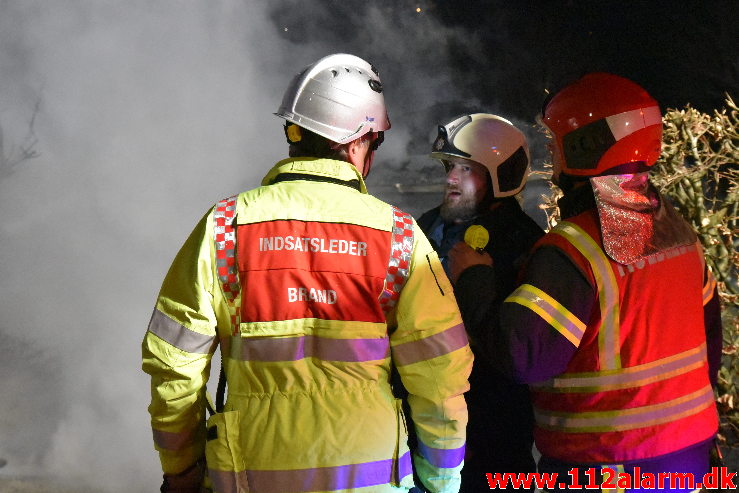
491, 141
338, 97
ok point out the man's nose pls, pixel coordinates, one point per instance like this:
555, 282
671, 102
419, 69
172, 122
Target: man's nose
452, 175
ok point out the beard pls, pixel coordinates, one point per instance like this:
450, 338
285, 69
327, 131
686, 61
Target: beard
465, 208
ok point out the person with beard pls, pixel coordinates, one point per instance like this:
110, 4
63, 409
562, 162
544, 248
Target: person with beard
487, 163
616, 325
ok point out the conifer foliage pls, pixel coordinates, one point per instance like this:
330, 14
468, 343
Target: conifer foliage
699, 171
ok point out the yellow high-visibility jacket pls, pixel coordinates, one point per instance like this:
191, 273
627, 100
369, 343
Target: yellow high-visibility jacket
313, 289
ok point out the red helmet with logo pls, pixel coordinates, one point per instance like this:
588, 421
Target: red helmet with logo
603, 124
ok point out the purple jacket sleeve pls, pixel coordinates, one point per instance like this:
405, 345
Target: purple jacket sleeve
516, 340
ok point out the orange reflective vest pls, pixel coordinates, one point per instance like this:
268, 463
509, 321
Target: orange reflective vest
637, 386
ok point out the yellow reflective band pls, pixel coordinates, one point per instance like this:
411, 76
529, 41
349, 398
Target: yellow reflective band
635, 376
609, 343
550, 310
709, 288
626, 419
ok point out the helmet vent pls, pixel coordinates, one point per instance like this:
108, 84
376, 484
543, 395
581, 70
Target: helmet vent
332, 98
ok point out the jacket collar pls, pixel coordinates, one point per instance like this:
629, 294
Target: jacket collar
316, 169
576, 201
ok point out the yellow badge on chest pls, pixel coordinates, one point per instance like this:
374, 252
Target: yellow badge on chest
477, 237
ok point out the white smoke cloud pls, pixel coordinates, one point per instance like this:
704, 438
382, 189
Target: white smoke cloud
149, 112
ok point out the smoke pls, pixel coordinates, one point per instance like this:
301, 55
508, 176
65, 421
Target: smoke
143, 114
149, 113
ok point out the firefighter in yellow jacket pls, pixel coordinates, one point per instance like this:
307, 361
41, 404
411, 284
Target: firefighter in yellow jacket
314, 290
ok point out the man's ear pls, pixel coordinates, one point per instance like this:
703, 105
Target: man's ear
355, 154
354, 147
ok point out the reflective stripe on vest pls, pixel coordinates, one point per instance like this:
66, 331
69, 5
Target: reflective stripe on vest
349, 350
180, 336
400, 259
225, 243
635, 376
438, 457
346, 477
609, 344
709, 287
550, 310
626, 419
271, 349
430, 347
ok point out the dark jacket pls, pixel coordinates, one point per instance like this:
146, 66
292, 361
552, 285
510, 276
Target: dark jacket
499, 432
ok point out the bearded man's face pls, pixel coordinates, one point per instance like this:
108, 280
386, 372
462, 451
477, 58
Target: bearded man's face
466, 187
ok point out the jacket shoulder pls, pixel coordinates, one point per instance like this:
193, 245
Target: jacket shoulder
427, 219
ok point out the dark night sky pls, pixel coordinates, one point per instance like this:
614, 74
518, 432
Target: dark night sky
506, 53
679, 51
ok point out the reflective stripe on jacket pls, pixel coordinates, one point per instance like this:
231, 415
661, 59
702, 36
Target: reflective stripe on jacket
637, 386
308, 354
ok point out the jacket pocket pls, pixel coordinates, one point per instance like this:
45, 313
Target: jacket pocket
226, 465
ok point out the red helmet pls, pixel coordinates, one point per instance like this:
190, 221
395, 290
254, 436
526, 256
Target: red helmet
603, 124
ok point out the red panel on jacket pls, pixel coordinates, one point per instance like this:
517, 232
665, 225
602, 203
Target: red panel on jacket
330, 271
